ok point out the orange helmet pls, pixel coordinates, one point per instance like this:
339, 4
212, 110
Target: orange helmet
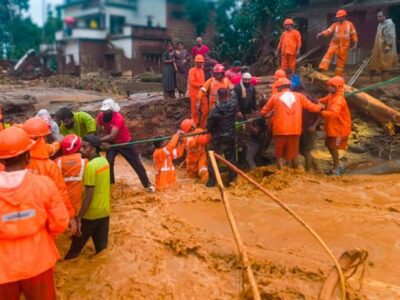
288, 22
341, 13
199, 58
218, 68
204, 139
283, 81
70, 144
279, 74
13, 142
36, 127
187, 124
337, 81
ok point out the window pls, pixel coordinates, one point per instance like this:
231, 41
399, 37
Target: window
117, 24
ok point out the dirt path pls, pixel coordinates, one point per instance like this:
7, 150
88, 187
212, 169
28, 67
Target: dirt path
178, 245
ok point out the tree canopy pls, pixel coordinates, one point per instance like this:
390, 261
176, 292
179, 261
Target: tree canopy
247, 29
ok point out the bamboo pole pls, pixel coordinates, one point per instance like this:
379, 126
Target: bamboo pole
296, 217
235, 231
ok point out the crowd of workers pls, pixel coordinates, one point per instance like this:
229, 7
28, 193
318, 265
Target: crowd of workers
53, 178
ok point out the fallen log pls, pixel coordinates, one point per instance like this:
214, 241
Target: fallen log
363, 102
375, 168
309, 53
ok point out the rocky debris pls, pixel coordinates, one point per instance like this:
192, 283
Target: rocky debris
122, 87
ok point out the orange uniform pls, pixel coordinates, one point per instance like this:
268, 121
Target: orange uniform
164, 165
53, 148
342, 34
337, 116
288, 107
31, 213
289, 45
208, 95
287, 121
72, 167
41, 164
196, 157
196, 81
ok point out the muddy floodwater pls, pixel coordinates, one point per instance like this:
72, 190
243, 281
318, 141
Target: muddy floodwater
178, 244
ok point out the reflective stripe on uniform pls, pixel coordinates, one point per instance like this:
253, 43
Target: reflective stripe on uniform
166, 151
73, 178
204, 169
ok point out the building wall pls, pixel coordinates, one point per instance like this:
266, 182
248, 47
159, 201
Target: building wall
179, 29
125, 44
91, 55
155, 8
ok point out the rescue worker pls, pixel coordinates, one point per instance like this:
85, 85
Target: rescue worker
286, 130
342, 32
337, 121
93, 218
112, 123
208, 92
163, 157
221, 125
72, 167
196, 81
79, 123
40, 162
32, 213
278, 75
196, 155
289, 47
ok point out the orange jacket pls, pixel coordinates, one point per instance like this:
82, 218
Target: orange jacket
196, 81
53, 148
211, 87
31, 214
72, 168
41, 164
337, 115
193, 149
288, 107
341, 33
163, 163
290, 42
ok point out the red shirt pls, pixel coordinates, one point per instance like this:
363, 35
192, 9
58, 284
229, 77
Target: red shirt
117, 122
203, 50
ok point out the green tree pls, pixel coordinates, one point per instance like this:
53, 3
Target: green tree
198, 13
52, 25
248, 29
17, 34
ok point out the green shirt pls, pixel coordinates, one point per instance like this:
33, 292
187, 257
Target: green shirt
97, 175
83, 124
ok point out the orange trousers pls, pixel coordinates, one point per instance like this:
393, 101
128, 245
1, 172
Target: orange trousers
194, 113
196, 165
288, 61
39, 287
341, 55
205, 108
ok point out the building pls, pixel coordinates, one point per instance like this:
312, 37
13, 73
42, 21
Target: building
314, 16
121, 36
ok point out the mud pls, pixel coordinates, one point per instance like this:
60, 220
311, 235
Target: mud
178, 244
